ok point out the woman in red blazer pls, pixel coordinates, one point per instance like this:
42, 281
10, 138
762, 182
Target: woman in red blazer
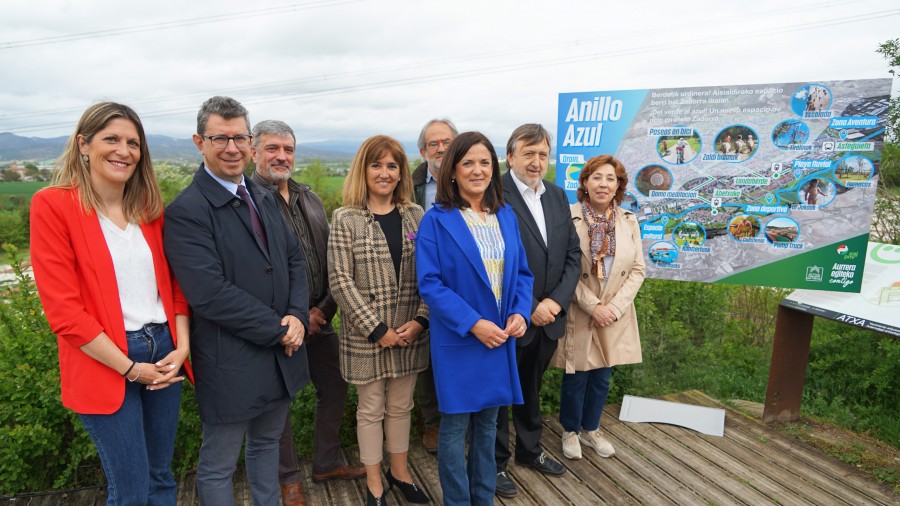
121, 321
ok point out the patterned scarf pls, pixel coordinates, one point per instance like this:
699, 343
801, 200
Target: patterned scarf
602, 233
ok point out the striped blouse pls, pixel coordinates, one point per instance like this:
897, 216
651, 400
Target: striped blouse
489, 239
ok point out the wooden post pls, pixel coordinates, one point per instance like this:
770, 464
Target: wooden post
787, 373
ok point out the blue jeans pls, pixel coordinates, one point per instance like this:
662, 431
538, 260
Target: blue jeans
582, 398
136, 442
471, 482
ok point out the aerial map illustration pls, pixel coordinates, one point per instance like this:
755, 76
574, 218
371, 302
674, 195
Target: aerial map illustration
752, 184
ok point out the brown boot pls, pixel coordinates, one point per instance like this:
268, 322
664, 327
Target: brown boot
430, 439
292, 494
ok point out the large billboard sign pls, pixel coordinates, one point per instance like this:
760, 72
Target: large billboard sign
752, 184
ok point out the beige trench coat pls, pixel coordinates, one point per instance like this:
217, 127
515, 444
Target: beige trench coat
582, 349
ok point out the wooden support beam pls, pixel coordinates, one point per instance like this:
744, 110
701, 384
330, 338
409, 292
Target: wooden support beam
787, 373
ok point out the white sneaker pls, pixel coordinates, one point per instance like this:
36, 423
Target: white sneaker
595, 440
571, 445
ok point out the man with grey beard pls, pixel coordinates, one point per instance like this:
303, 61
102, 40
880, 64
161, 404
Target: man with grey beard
273, 154
434, 139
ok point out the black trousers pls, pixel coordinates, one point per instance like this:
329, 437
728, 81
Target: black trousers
532, 360
331, 395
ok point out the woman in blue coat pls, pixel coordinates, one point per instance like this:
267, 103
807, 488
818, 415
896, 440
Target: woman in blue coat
474, 276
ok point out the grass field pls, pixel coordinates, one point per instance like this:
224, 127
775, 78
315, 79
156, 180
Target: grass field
330, 183
21, 187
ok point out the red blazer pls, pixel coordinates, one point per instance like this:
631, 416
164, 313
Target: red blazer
76, 281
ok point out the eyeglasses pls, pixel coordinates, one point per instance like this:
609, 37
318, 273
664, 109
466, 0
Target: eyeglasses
435, 144
221, 141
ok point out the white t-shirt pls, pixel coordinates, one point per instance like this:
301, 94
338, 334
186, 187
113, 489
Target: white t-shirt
135, 274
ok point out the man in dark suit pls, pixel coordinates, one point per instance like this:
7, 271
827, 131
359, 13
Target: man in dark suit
553, 251
244, 275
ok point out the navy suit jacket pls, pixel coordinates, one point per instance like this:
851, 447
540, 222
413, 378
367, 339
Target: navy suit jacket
556, 265
238, 293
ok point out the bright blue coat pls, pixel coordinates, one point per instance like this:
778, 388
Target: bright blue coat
469, 376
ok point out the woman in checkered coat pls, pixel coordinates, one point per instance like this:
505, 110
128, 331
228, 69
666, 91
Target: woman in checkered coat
384, 323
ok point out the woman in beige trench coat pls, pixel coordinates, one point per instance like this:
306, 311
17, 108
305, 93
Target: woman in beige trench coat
601, 330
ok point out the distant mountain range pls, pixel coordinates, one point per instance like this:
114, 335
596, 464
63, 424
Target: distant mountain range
17, 148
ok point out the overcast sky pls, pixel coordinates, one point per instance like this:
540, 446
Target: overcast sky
349, 69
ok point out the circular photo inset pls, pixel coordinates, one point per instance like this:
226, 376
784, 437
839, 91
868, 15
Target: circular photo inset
782, 230
629, 203
653, 177
739, 140
791, 132
853, 169
679, 149
572, 173
743, 227
689, 233
662, 253
816, 192
810, 98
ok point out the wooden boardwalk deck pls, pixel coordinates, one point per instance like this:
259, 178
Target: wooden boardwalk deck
654, 464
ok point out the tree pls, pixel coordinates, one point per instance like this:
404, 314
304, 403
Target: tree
885, 225
890, 50
12, 175
314, 176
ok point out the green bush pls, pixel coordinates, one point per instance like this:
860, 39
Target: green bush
13, 230
43, 443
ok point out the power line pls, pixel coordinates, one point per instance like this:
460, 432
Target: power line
258, 87
172, 24
494, 69
719, 21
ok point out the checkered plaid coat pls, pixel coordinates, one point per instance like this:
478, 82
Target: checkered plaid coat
363, 282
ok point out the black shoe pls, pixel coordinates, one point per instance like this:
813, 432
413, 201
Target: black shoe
371, 500
411, 492
545, 464
505, 486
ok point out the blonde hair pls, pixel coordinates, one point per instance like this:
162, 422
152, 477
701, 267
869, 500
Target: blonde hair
355, 190
142, 201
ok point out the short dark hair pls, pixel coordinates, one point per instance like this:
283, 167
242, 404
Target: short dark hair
448, 195
595, 163
529, 133
226, 107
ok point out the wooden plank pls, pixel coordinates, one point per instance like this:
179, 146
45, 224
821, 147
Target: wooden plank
808, 462
241, 487
701, 486
537, 488
316, 494
754, 456
702, 445
637, 464
187, 490
817, 486
584, 483
700, 464
347, 491
616, 470
827, 471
